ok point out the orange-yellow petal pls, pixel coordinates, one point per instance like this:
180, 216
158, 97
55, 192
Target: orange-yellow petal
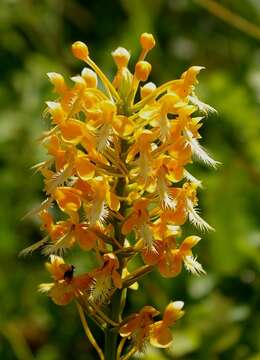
173, 312
61, 293
47, 220
170, 265
189, 242
85, 237
123, 125
152, 256
82, 282
160, 335
56, 267
56, 111
68, 199
130, 326
85, 169
112, 201
72, 131
129, 224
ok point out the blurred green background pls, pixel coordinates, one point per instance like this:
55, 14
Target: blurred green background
223, 318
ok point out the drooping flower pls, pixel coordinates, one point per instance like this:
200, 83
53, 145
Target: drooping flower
138, 326
142, 328
160, 333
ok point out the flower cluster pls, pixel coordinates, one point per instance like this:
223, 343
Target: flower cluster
117, 185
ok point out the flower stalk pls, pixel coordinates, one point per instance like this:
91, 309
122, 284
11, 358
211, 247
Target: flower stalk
88, 333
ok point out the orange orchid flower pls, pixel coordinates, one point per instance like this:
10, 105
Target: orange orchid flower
68, 199
64, 234
185, 85
171, 258
66, 287
157, 113
103, 198
106, 279
160, 333
139, 221
105, 121
142, 148
138, 326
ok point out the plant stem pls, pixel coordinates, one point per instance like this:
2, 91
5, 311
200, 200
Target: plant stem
129, 354
136, 275
118, 299
120, 347
111, 333
88, 332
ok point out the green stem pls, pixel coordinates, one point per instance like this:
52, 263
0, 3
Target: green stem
136, 275
118, 299
88, 332
110, 344
111, 333
129, 354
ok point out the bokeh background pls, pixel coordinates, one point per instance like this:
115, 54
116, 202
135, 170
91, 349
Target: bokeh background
223, 319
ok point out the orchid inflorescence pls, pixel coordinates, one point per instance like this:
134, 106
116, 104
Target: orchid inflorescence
117, 175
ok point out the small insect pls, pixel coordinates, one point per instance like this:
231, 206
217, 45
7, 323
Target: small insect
68, 275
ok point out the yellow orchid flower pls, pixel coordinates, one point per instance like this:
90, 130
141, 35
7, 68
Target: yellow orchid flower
160, 333
66, 286
170, 258
106, 279
138, 326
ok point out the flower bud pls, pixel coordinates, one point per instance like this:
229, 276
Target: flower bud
121, 57
142, 70
123, 81
147, 41
80, 50
90, 77
147, 89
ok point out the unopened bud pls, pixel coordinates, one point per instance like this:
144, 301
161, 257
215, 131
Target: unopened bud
121, 57
80, 50
90, 77
147, 89
147, 41
142, 70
